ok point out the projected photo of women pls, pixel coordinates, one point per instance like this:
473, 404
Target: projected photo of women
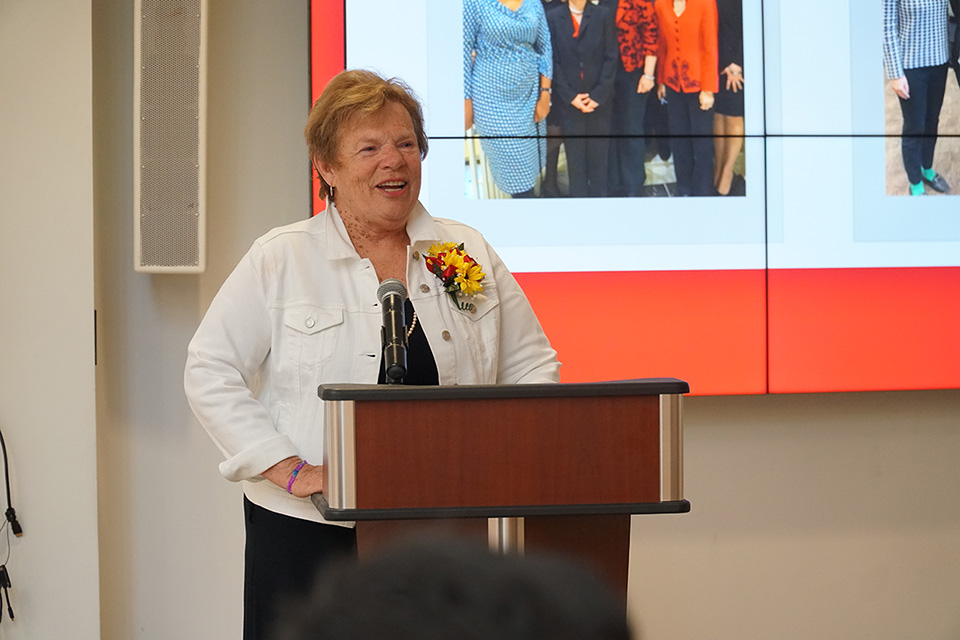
585, 59
603, 98
507, 77
688, 80
728, 123
637, 36
917, 54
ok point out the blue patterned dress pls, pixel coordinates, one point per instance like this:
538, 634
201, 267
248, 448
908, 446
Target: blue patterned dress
512, 52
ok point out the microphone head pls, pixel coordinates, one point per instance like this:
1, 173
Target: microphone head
390, 287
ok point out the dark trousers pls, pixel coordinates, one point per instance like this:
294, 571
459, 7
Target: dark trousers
282, 559
586, 139
628, 147
691, 139
954, 61
921, 117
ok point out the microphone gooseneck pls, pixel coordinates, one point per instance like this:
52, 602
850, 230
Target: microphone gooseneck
392, 295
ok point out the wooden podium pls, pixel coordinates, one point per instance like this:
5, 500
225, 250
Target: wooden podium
558, 467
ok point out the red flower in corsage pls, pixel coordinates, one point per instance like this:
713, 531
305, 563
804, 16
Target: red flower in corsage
460, 274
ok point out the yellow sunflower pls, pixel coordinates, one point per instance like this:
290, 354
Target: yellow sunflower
469, 279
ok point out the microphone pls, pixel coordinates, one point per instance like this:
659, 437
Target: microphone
392, 295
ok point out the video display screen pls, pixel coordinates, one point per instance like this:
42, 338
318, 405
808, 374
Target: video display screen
819, 269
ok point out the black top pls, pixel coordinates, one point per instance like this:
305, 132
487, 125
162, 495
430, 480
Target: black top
729, 33
421, 367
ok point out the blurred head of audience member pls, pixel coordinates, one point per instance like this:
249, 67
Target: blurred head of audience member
449, 589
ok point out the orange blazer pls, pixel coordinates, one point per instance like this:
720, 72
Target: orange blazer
687, 47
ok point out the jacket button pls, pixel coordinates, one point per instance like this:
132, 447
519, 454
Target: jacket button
425, 288
445, 335
416, 255
310, 323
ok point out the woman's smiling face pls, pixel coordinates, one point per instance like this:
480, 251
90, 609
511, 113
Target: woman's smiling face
376, 177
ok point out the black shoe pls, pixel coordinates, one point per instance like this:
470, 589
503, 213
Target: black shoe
938, 183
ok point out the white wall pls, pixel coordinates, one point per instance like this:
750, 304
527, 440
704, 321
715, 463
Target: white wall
171, 528
819, 516
813, 516
46, 317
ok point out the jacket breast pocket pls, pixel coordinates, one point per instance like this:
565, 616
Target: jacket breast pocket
312, 331
479, 327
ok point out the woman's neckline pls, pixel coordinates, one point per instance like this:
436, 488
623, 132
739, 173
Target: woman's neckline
508, 8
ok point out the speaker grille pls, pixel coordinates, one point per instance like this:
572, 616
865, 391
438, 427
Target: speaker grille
170, 132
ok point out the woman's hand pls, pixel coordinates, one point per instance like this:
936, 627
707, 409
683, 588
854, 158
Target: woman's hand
901, 87
309, 479
584, 103
661, 91
543, 107
706, 100
734, 73
646, 84
467, 114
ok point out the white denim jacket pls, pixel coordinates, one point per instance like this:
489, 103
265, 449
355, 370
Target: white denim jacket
301, 310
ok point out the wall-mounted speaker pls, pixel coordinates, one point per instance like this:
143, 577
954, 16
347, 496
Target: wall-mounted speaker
170, 100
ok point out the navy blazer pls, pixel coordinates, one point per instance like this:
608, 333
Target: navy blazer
588, 63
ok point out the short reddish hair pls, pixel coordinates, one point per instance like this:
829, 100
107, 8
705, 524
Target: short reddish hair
351, 94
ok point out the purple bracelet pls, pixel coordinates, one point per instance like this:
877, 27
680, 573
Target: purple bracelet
293, 476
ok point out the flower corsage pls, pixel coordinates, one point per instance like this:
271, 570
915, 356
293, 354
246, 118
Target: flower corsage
461, 275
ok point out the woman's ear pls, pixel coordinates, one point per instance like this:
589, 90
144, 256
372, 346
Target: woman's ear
326, 171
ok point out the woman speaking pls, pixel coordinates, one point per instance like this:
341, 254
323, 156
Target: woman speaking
301, 310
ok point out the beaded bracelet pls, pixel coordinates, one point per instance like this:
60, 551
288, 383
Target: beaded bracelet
293, 476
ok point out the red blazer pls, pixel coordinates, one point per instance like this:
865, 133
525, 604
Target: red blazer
687, 49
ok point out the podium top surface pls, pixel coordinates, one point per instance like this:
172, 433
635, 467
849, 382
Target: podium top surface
376, 392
